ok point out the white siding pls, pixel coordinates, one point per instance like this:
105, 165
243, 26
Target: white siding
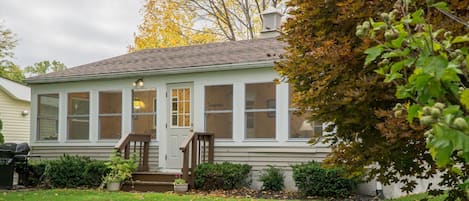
15, 125
94, 152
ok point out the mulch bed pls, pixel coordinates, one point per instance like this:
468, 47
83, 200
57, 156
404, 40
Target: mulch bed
280, 195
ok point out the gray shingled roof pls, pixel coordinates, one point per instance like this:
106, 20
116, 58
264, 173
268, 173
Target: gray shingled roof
206, 57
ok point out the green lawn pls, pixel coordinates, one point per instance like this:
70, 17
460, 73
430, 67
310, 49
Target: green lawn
419, 197
95, 195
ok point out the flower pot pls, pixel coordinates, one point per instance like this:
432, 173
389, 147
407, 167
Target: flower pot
181, 188
113, 186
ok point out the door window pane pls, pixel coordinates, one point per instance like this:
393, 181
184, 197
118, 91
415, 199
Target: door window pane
219, 110
78, 116
110, 114
260, 110
181, 108
47, 118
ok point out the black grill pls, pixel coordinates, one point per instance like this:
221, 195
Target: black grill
13, 157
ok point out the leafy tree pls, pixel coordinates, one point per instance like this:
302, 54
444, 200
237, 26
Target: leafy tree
429, 69
7, 42
232, 19
324, 63
44, 67
11, 71
7, 68
170, 23
167, 24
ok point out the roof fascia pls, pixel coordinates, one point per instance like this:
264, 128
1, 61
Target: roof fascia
198, 69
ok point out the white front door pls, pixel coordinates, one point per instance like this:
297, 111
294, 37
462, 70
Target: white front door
179, 121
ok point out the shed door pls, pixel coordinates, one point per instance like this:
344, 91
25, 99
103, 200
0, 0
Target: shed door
179, 121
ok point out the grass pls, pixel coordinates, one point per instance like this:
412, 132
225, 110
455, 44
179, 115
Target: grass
419, 197
96, 195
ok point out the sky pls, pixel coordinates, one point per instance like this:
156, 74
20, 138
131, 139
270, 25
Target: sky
74, 32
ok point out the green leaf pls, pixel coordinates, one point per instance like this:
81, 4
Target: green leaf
465, 98
417, 17
460, 39
440, 146
392, 76
433, 65
413, 112
441, 5
397, 53
402, 92
373, 53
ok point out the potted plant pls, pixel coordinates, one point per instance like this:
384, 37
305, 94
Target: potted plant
119, 170
180, 185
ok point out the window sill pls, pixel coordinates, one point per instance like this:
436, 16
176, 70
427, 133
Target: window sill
261, 140
224, 140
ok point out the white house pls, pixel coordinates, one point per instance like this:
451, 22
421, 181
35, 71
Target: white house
14, 110
226, 88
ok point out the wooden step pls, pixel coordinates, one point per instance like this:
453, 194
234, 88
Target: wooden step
148, 186
154, 176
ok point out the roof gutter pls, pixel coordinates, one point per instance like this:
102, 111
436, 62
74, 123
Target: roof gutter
198, 69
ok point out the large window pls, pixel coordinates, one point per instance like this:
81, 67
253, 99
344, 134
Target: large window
300, 126
47, 117
144, 112
260, 110
110, 114
219, 110
78, 116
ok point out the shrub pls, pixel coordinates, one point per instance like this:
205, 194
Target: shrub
75, 171
35, 172
226, 176
120, 169
312, 179
272, 179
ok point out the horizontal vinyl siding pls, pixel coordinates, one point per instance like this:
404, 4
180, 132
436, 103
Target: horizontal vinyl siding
94, 152
15, 125
260, 157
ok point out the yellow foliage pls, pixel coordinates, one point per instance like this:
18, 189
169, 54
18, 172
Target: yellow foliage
167, 23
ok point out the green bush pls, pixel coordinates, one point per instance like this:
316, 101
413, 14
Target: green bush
75, 171
227, 176
312, 179
35, 172
272, 179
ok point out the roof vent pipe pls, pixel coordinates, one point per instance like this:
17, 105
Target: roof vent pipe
271, 22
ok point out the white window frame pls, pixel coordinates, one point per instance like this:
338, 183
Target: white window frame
107, 114
220, 111
267, 109
47, 117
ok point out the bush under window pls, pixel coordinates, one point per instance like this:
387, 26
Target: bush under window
75, 171
226, 176
314, 180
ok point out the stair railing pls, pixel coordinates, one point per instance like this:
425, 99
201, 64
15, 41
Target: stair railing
135, 143
197, 148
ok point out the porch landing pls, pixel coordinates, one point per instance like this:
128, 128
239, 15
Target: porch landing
151, 182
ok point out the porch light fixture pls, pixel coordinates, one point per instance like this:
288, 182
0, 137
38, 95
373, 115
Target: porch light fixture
138, 83
24, 113
138, 104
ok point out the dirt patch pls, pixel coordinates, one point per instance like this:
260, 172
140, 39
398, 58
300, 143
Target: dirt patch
278, 195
